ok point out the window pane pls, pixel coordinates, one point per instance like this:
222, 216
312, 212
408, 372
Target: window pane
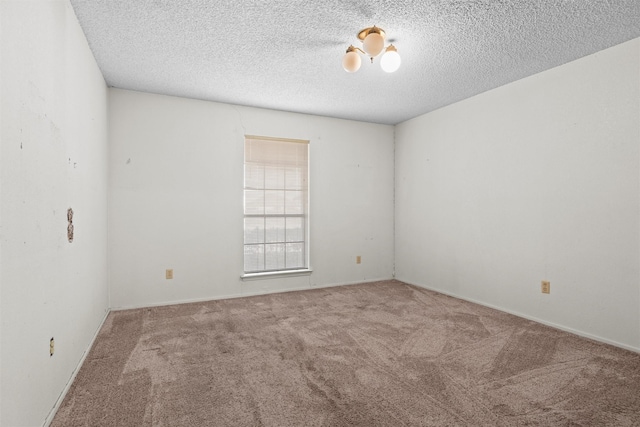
253, 175
294, 178
253, 257
274, 256
253, 230
275, 230
274, 177
295, 255
274, 202
254, 202
294, 202
295, 230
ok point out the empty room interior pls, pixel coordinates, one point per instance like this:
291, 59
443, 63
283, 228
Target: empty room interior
460, 244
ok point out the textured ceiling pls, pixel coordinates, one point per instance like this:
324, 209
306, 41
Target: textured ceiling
286, 54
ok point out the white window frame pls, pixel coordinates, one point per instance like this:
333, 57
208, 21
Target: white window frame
303, 269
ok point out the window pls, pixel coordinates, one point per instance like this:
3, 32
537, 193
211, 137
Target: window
275, 204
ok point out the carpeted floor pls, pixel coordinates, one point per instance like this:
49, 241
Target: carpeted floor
378, 354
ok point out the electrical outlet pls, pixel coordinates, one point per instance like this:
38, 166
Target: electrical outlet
546, 287
358, 259
51, 347
169, 273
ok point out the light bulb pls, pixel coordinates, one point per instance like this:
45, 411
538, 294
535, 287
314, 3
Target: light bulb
351, 61
390, 61
373, 44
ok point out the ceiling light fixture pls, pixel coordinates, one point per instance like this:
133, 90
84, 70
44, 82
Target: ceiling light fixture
372, 39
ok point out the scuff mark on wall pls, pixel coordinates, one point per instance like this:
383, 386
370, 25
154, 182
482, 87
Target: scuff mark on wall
70, 225
244, 129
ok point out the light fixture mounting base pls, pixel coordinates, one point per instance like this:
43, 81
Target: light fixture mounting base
365, 32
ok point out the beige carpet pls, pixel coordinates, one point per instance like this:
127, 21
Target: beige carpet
378, 354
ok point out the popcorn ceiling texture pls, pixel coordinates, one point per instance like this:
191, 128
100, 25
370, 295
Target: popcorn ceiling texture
286, 55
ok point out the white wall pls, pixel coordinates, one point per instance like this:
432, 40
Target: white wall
536, 180
54, 156
176, 176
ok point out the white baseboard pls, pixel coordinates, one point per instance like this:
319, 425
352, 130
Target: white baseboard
55, 408
246, 294
535, 319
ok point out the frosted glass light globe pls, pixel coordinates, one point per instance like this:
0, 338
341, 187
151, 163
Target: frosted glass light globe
390, 61
373, 44
351, 62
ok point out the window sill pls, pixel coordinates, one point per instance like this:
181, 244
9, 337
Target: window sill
276, 274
